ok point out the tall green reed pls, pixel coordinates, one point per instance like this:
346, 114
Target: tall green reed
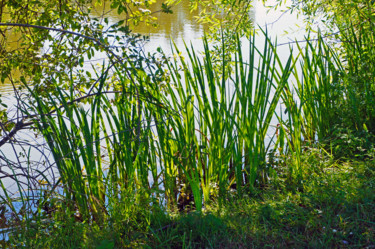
73, 135
225, 121
202, 135
318, 88
311, 101
359, 85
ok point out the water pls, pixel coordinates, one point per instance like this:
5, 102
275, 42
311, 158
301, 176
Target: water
179, 27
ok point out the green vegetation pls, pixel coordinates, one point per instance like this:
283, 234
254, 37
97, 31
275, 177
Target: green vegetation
189, 153
334, 211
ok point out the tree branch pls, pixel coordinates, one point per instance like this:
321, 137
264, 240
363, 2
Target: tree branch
97, 42
19, 126
51, 29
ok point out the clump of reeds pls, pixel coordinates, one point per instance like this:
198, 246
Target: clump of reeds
206, 135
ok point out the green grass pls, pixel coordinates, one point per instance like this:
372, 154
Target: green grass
334, 211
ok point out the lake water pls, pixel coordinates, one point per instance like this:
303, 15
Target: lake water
179, 27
